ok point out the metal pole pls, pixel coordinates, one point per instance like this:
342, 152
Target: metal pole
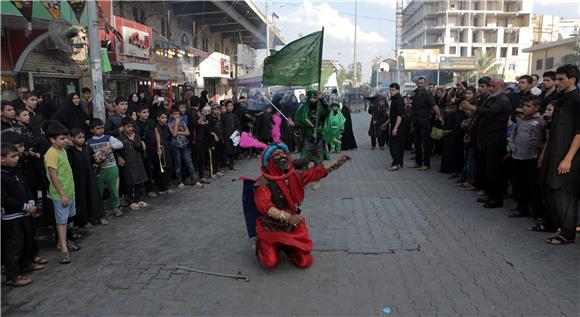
377, 80
95, 54
438, 74
398, 68
267, 31
354, 54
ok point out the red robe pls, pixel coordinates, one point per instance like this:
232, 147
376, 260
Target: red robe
296, 243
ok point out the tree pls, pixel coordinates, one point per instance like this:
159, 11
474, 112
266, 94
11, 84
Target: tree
341, 76
487, 65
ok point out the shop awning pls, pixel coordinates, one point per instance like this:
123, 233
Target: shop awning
139, 66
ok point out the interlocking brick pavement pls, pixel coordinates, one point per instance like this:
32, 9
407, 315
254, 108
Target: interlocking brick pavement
408, 240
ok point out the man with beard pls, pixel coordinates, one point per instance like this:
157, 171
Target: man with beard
423, 104
492, 140
310, 118
277, 196
397, 112
549, 93
560, 161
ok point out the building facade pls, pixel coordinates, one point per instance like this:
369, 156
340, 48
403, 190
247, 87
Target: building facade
460, 28
160, 47
551, 55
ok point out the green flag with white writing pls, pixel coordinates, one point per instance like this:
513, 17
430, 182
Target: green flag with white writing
298, 63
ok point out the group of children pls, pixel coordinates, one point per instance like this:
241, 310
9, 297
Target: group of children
66, 174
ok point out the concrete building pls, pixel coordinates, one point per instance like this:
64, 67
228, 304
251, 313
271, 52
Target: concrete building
459, 28
549, 28
551, 55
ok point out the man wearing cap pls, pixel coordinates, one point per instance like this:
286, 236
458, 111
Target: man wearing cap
310, 119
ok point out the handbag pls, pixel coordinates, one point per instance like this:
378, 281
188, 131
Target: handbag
436, 133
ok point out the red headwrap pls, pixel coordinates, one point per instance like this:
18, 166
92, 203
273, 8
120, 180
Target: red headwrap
293, 191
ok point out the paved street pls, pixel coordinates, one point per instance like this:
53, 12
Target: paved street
410, 241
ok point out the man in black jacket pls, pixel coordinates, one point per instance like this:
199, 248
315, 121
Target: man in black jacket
423, 103
396, 114
491, 141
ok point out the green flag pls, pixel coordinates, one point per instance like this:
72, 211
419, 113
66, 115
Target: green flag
298, 63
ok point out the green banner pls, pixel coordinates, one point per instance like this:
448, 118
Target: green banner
298, 63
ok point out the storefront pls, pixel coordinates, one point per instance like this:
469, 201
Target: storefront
215, 71
130, 58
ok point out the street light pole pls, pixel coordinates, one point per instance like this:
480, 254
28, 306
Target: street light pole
96, 67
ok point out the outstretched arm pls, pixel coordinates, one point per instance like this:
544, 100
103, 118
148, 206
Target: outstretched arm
316, 173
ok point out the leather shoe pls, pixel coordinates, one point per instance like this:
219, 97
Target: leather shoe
493, 204
482, 199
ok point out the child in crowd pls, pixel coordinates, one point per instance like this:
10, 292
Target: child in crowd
61, 188
18, 206
107, 171
525, 154
23, 125
113, 124
231, 124
131, 162
7, 116
181, 151
145, 128
162, 162
216, 140
89, 204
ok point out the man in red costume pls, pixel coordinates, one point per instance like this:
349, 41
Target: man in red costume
278, 195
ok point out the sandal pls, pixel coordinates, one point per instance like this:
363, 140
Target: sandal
143, 204
33, 267
538, 228
134, 206
198, 185
558, 240
40, 260
71, 246
64, 258
19, 281
104, 221
117, 212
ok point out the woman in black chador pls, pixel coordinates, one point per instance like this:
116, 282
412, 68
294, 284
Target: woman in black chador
348, 140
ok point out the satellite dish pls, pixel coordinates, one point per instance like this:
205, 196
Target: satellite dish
62, 33
384, 67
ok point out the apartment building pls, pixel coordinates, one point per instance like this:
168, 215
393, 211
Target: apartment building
459, 28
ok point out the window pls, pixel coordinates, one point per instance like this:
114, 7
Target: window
539, 64
503, 52
463, 51
514, 51
549, 62
452, 50
163, 30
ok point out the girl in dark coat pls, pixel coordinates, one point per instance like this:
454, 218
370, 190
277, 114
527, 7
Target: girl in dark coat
133, 104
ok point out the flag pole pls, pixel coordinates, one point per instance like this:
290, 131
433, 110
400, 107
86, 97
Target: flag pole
319, 82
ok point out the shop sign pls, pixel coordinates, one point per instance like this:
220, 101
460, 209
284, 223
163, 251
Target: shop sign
136, 43
225, 66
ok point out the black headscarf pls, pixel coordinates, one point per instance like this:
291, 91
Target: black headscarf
71, 116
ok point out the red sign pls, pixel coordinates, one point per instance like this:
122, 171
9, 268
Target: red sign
142, 42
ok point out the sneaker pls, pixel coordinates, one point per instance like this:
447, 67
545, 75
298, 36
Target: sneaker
220, 174
134, 206
143, 204
180, 186
214, 176
198, 185
152, 194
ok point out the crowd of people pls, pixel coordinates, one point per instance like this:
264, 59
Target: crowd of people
495, 141
62, 167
